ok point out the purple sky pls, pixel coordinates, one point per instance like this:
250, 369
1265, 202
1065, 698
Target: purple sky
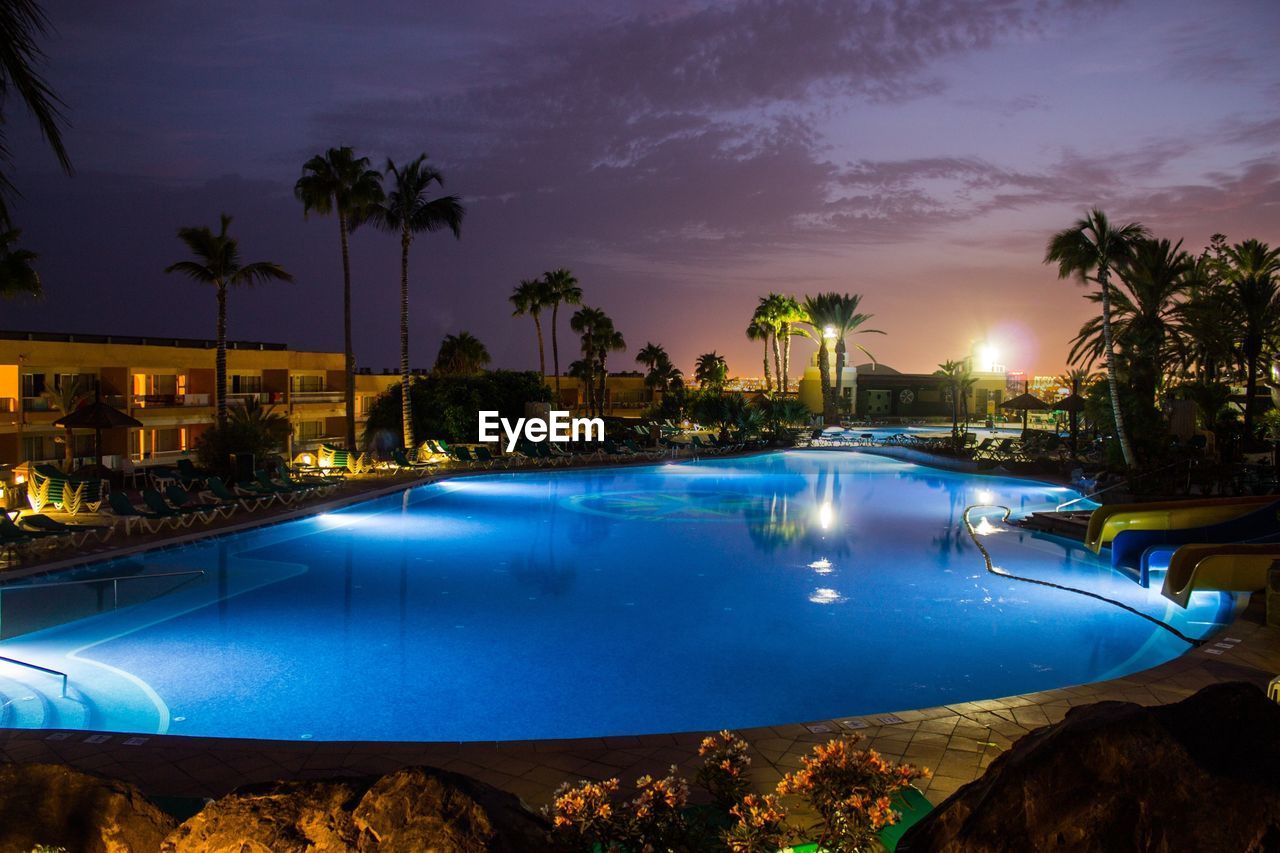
682, 158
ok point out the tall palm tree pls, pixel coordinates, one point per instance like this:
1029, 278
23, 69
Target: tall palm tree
950, 374
847, 320
1145, 300
562, 289
820, 315
658, 367
528, 299
17, 275
789, 314
759, 329
461, 355
1092, 245
599, 338
1252, 275
22, 23
218, 263
408, 210
340, 182
1076, 379
711, 370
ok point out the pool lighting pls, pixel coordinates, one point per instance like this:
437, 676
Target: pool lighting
984, 496
821, 566
985, 528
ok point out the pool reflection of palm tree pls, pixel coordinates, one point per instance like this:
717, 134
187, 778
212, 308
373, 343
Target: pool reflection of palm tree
549, 575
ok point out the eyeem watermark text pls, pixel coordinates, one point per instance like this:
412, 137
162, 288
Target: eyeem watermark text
557, 427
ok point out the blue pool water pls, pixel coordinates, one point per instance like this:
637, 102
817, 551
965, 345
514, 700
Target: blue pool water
778, 588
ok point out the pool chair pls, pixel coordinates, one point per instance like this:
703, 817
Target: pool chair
133, 517
188, 474
487, 459
16, 541
611, 449
79, 533
631, 445
462, 454
263, 482
249, 501
156, 503
402, 463
71, 494
181, 499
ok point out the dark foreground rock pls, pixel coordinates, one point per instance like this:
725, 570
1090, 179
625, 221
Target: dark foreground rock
1199, 775
53, 805
415, 809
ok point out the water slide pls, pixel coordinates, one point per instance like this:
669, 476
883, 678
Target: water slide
1229, 568
1107, 521
1130, 544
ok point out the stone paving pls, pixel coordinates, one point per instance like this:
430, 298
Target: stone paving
956, 742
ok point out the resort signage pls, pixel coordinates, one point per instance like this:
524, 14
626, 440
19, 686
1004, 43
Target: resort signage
558, 427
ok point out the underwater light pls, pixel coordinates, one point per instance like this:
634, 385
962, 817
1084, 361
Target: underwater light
821, 566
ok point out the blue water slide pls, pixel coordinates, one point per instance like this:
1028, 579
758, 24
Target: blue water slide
1128, 546
1157, 557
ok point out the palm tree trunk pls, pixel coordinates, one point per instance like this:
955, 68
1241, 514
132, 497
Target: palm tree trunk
350, 361
777, 364
604, 375
1250, 388
542, 357
786, 356
220, 358
824, 375
768, 382
406, 410
555, 350
835, 393
1121, 434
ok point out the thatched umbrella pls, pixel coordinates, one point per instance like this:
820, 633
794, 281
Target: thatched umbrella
1073, 405
97, 416
1026, 402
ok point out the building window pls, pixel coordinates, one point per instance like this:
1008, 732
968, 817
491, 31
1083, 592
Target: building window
242, 384
306, 430
306, 383
34, 447
33, 384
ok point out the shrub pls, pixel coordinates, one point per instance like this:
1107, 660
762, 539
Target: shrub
249, 428
724, 767
656, 822
850, 789
760, 825
584, 816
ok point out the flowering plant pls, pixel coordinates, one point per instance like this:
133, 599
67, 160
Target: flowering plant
584, 816
724, 767
761, 825
656, 822
851, 791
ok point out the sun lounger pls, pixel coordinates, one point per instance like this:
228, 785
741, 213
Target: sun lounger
43, 524
250, 502
181, 499
149, 521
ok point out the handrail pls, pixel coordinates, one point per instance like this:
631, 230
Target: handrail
114, 581
1116, 485
56, 672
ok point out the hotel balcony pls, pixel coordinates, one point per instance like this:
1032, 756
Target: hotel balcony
330, 397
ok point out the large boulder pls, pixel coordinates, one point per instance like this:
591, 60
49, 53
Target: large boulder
1201, 774
285, 817
53, 805
416, 809
420, 808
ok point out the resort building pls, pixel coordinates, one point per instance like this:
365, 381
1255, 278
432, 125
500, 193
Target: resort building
168, 385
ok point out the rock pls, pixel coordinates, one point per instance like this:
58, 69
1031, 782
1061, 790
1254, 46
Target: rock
277, 818
420, 809
416, 809
1201, 774
53, 805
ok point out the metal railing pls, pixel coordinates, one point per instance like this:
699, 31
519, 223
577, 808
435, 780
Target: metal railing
54, 672
1124, 482
17, 586
317, 396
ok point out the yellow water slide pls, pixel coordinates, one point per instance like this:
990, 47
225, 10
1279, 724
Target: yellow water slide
1107, 521
1229, 568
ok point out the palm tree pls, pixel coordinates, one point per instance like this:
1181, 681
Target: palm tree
407, 210
711, 370
759, 329
562, 289
1094, 245
1144, 311
846, 321
21, 23
658, 365
599, 338
218, 263
339, 182
66, 399
461, 355
17, 275
1252, 275
789, 315
951, 373
528, 299
1076, 378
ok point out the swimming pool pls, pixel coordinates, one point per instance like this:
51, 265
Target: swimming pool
776, 588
